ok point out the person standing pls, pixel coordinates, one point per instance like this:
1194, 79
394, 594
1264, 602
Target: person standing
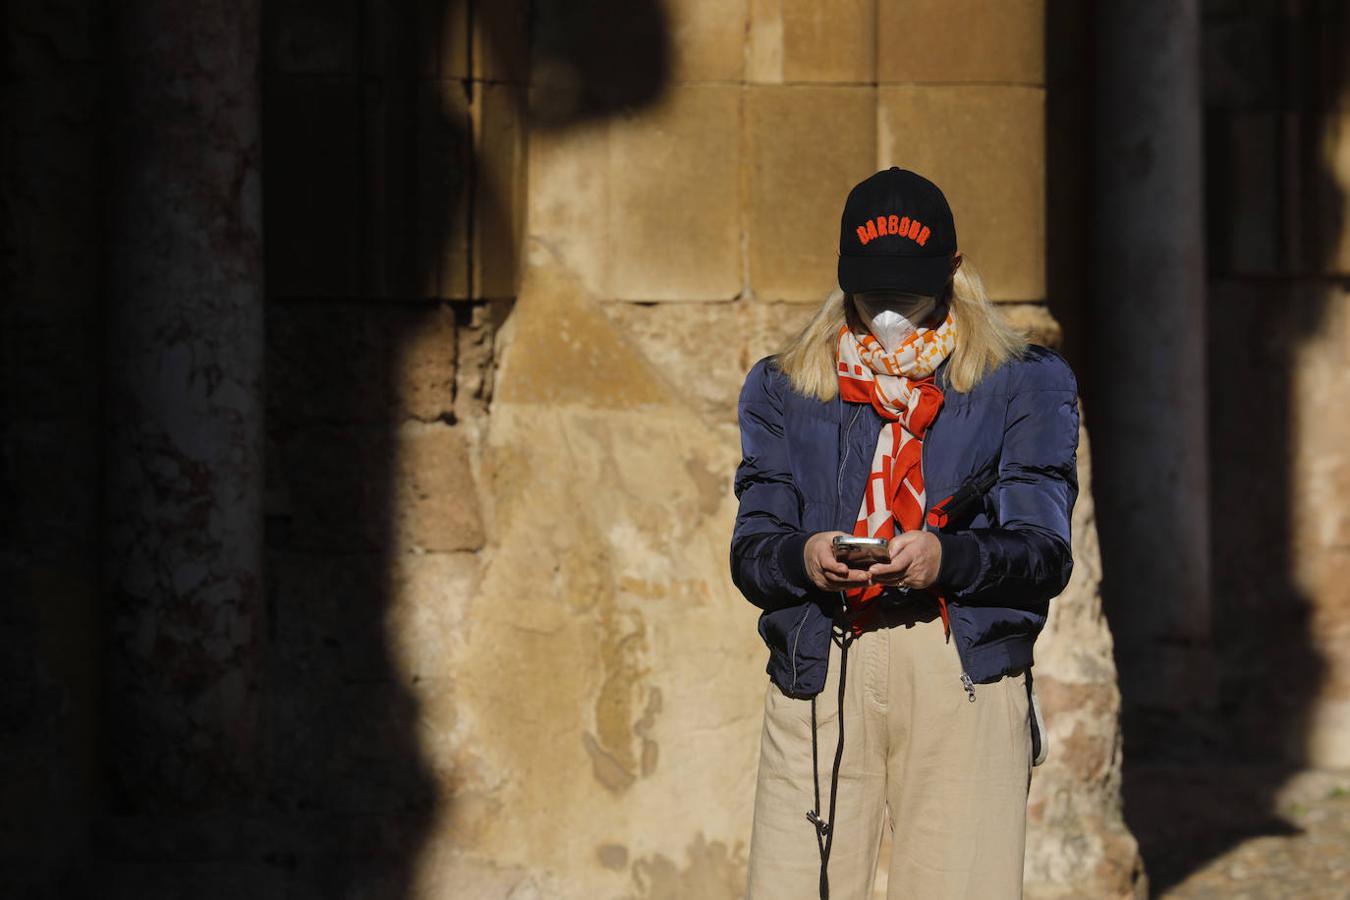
906, 411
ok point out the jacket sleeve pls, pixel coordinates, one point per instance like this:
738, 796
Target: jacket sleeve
767, 542
1027, 559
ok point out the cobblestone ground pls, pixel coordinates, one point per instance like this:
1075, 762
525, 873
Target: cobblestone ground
1241, 833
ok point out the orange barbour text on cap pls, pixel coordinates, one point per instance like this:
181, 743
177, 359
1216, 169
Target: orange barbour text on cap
901, 225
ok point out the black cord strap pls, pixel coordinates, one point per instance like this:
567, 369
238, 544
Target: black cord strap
825, 829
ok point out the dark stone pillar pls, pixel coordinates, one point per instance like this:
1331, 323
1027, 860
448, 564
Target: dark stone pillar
1148, 350
183, 408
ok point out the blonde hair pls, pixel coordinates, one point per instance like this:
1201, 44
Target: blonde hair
984, 339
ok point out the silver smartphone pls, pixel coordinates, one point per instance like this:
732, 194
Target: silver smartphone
850, 549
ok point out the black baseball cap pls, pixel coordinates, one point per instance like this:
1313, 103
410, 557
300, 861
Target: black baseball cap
896, 234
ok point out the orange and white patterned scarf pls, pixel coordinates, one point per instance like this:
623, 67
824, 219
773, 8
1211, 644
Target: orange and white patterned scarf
901, 387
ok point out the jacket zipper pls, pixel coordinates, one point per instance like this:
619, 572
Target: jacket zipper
839, 488
839, 483
965, 675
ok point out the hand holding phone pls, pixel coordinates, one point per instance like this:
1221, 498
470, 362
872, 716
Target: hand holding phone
829, 572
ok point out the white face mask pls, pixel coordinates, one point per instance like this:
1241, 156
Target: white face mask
893, 317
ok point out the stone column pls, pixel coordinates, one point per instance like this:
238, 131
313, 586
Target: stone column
1148, 347
183, 407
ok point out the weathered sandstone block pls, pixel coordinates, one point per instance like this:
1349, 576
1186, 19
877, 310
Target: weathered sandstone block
1033, 320
499, 189
984, 146
645, 206
568, 205
827, 41
707, 39
808, 146
947, 41
435, 501
611, 676
704, 349
674, 198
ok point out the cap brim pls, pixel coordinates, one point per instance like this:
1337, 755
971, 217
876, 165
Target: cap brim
925, 275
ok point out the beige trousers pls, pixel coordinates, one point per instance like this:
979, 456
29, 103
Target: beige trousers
947, 775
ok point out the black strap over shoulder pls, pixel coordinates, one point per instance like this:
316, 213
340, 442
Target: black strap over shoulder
971, 491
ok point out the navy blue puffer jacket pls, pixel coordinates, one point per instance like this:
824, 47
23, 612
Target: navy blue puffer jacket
803, 469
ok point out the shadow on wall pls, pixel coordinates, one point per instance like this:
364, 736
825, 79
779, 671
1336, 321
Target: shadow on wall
391, 250
1068, 187
1193, 790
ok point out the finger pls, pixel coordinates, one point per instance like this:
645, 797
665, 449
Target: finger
830, 564
892, 581
852, 578
906, 557
901, 541
883, 569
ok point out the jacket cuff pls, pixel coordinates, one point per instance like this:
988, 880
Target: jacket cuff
960, 563
792, 561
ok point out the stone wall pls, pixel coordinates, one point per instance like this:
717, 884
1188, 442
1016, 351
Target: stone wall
506, 326
598, 703
1278, 161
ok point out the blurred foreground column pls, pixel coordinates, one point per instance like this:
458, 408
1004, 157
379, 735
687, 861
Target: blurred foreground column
1149, 341
183, 410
